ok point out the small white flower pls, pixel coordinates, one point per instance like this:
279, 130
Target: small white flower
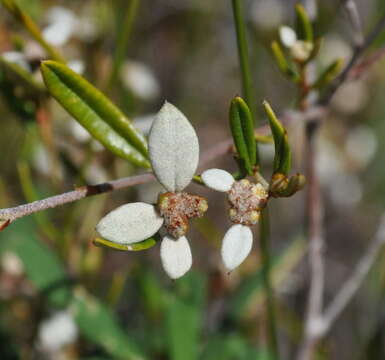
300, 50
287, 35
174, 154
57, 331
140, 79
62, 25
246, 201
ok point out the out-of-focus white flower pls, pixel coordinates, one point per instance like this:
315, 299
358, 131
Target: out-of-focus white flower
246, 200
287, 36
334, 47
57, 331
329, 161
174, 154
346, 190
361, 145
78, 131
351, 97
143, 123
62, 24
12, 264
311, 8
300, 50
77, 66
267, 14
140, 79
16, 57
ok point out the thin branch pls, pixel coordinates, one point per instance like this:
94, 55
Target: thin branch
358, 52
11, 214
353, 284
314, 211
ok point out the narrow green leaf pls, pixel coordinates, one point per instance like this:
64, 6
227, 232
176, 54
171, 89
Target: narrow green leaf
15, 10
282, 157
41, 265
99, 325
142, 245
328, 74
303, 26
282, 62
103, 120
242, 129
23, 78
184, 317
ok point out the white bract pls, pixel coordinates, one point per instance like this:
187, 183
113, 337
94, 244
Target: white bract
246, 201
174, 153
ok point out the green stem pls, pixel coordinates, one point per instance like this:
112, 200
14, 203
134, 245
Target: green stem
32, 28
266, 277
123, 39
243, 54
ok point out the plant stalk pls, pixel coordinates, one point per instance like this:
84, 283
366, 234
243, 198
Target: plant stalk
264, 234
247, 88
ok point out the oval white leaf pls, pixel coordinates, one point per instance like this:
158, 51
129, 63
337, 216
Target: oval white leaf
176, 256
130, 223
217, 179
236, 245
173, 148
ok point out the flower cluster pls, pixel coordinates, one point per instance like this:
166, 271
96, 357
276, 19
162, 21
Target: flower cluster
174, 154
246, 200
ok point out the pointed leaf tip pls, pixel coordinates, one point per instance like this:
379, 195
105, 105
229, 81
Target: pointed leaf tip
95, 112
173, 148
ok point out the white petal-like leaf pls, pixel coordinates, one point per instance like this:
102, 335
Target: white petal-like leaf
130, 223
218, 179
176, 256
287, 35
236, 245
173, 148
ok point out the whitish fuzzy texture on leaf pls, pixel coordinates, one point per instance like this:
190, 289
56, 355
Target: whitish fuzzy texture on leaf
173, 148
288, 36
236, 245
176, 256
130, 223
217, 179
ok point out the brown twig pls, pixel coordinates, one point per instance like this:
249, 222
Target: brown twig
314, 320
358, 52
11, 214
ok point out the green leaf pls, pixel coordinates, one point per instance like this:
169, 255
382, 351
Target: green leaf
282, 157
282, 62
230, 347
303, 26
99, 325
23, 78
242, 129
103, 120
328, 74
184, 318
141, 245
41, 265
24, 19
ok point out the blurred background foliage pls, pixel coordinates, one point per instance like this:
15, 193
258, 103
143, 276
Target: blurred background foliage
63, 298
